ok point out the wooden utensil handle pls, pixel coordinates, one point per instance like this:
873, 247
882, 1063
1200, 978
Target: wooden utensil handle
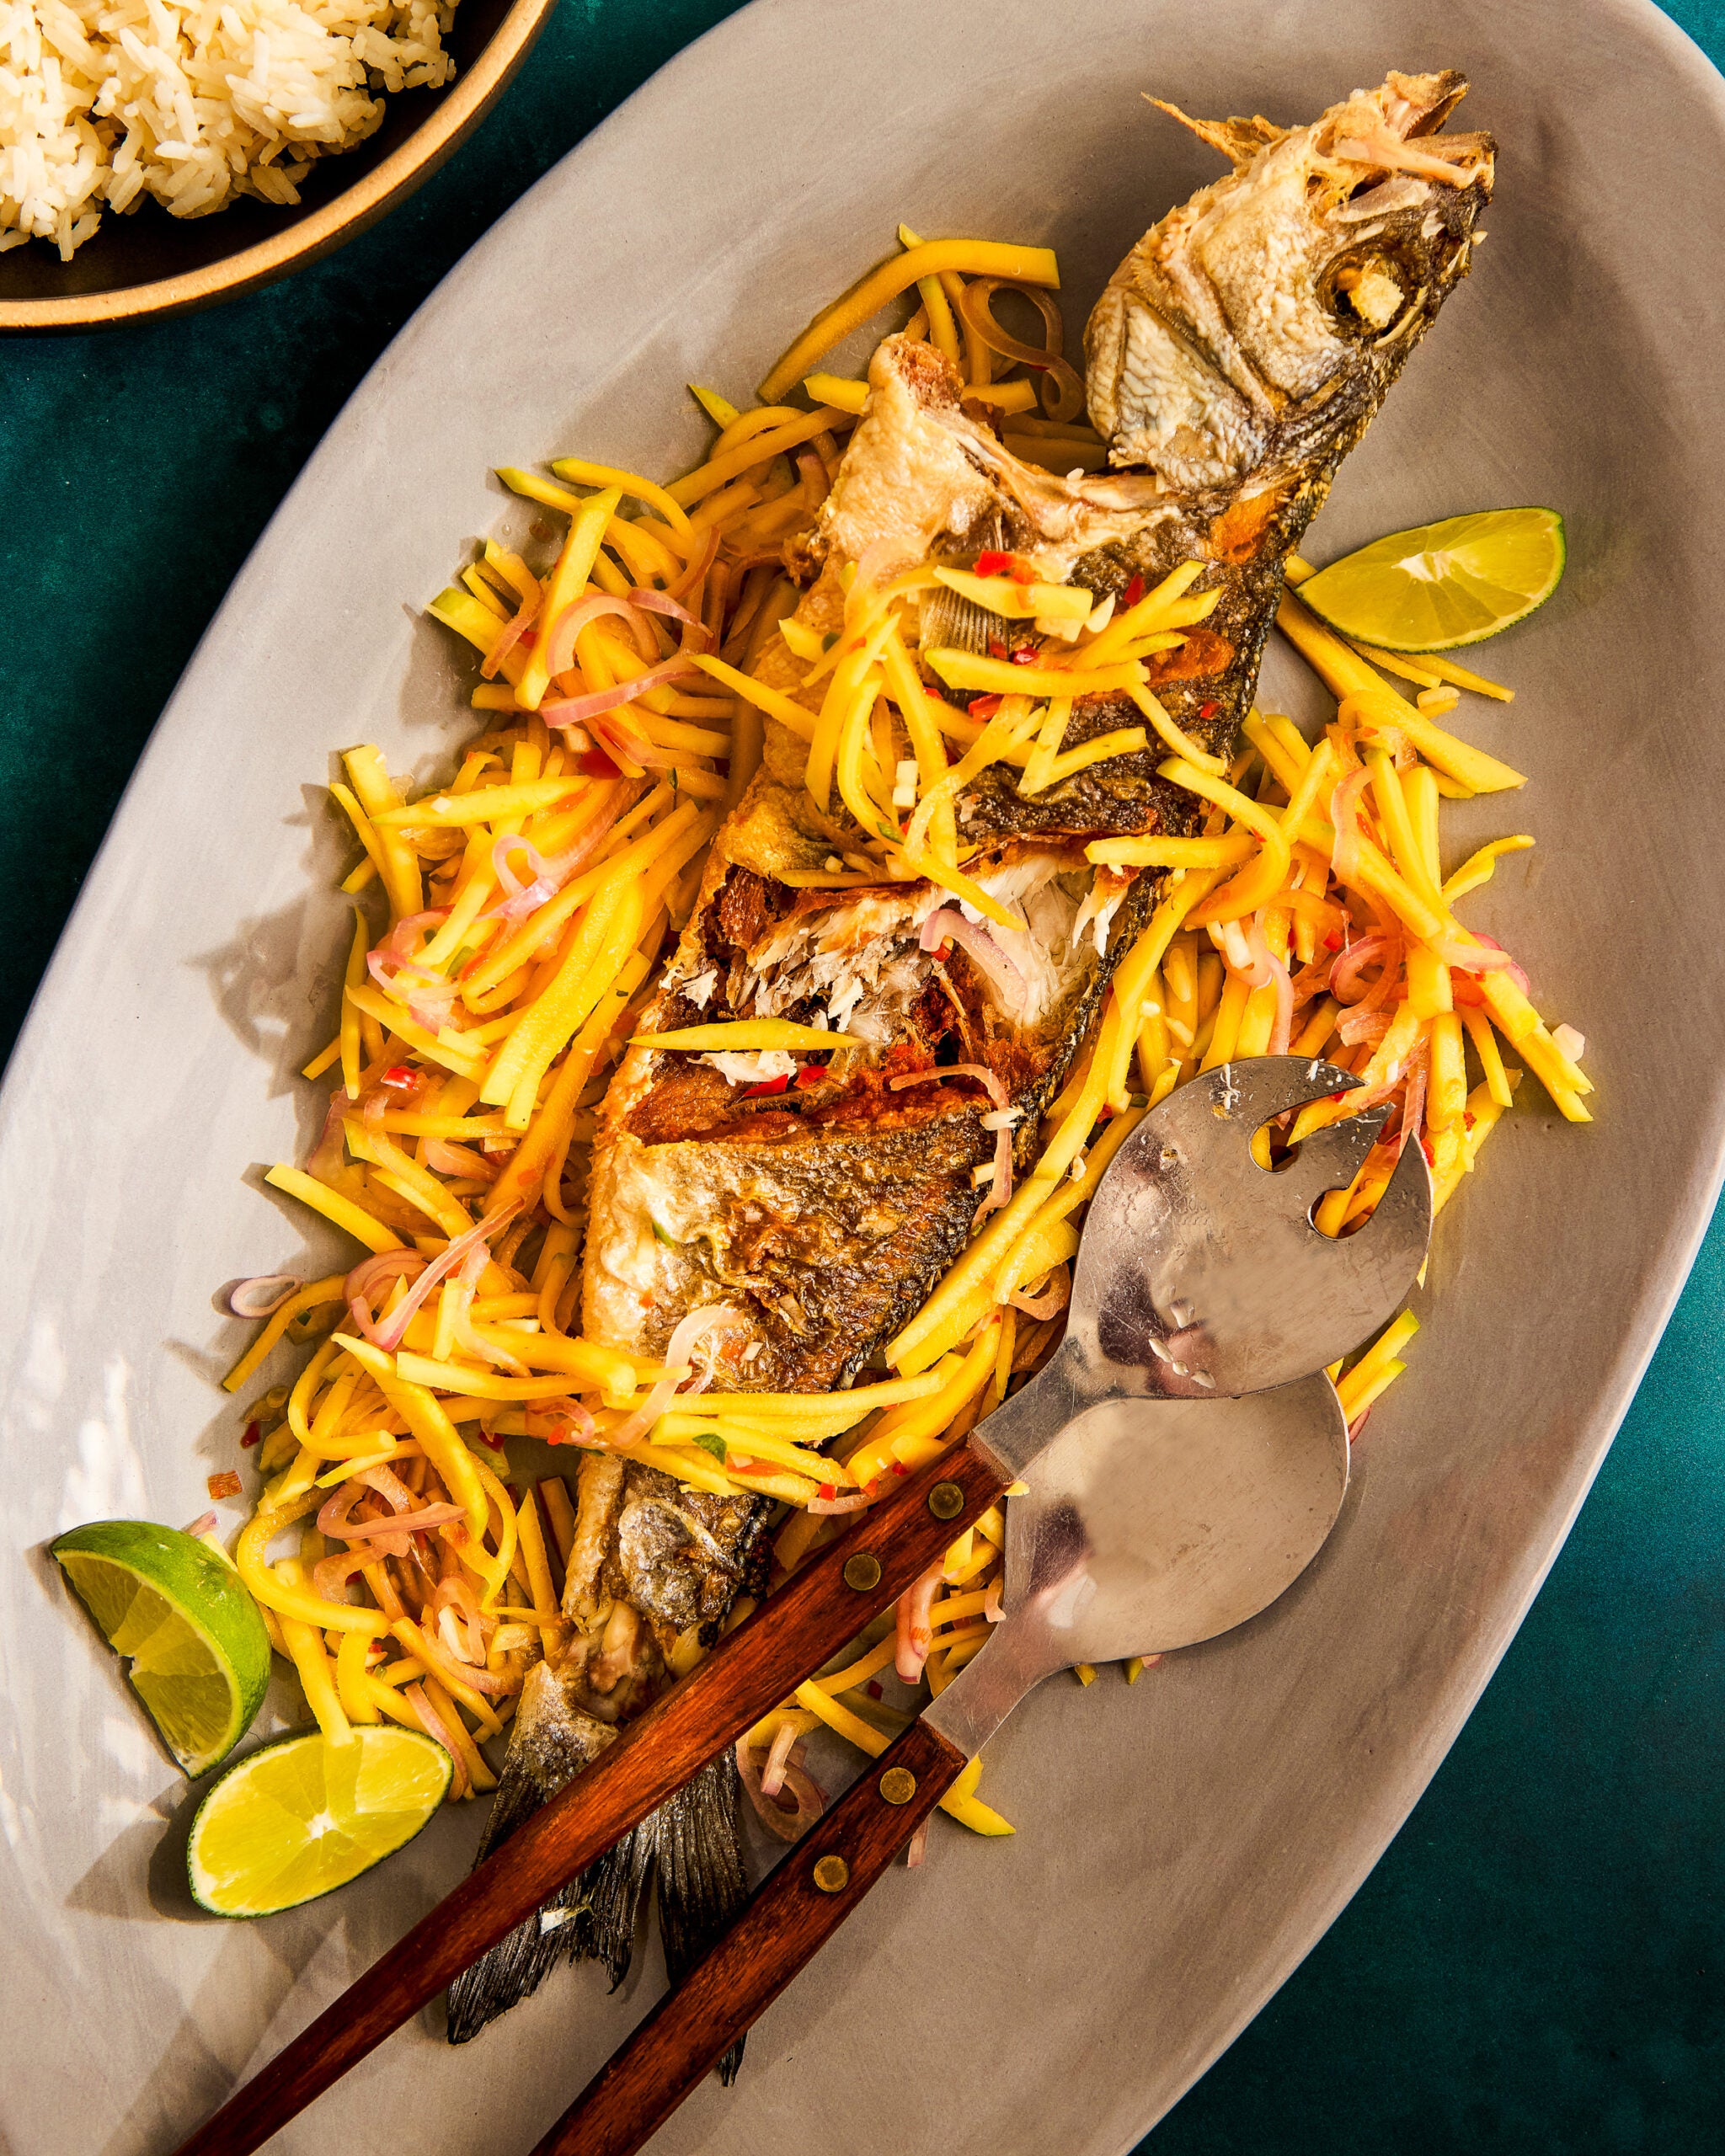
747, 1673
796, 1911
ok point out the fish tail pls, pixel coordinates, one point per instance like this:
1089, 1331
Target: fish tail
701, 1883
613, 1888
519, 1963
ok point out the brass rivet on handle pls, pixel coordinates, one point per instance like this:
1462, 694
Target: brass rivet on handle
946, 1500
897, 1784
832, 1875
862, 1572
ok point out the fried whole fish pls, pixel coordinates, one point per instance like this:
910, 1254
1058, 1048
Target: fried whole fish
1238, 353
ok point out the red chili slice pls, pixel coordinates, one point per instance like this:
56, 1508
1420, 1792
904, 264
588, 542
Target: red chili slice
596, 764
1208, 711
1425, 1147
1026, 655
983, 706
1332, 941
996, 650
1021, 571
399, 1078
770, 1085
252, 1432
811, 1074
990, 563
828, 1491
1133, 593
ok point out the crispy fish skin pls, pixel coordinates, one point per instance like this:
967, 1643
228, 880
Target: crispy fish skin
1239, 352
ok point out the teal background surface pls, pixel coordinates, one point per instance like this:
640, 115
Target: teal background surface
1536, 1965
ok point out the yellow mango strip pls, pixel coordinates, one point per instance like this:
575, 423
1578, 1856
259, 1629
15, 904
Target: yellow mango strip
484, 804
1348, 677
858, 1673
842, 392
1357, 1395
823, 1413
1521, 1025
306, 1652
1149, 614
959, 1800
470, 1382
532, 1547
875, 818
771, 441
428, 1650
1019, 602
1485, 1047
747, 1034
1261, 879
608, 930
1225, 1036
1405, 848
1154, 852
855, 658
358, 1223
967, 670
586, 474
311, 1297
594, 1367
427, 1192
393, 1017
1446, 1093
1480, 867
1025, 265
267, 1585
444, 1445
547, 1135
773, 702
756, 1445
1427, 982
1389, 1343
911, 1435
568, 579
1446, 669
1136, 971
1399, 663
1485, 1112
480, 1777
327, 1055
1124, 741
904, 686
350, 1678
1419, 788
746, 425
925, 1339
397, 864
363, 830
347, 1039
1174, 737
642, 848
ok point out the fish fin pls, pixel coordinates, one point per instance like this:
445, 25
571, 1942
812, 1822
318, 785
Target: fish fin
1238, 140
701, 1883
612, 1889
549, 1744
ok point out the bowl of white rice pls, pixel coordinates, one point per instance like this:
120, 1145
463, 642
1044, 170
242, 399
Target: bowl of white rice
157, 155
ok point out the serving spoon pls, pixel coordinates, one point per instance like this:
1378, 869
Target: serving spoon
1145, 1526
1200, 1278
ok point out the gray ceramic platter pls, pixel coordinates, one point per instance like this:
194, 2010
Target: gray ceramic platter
1182, 1845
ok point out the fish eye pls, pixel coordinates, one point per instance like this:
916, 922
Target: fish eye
1365, 293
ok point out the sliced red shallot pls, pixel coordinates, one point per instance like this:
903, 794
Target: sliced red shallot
1282, 1025
853, 1501
680, 587
1412, 1102
388, 1334
1351, 961
1356, 1026
434, 1725
1568, 1042
572, 1424
512, 631
584, 710
263, 1295
789, 1823
1056, 1294
550, 875
778, 1757
915, 1628
1344, 814
679, 1363
330, 1574
1470, 959
1002, 975
560, 634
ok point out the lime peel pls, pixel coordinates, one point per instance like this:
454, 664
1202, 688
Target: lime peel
178, 1611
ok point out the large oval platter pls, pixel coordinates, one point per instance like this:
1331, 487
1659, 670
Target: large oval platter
1180, 1845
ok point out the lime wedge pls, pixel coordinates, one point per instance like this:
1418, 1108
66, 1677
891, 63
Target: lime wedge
303, 1816
1443, 584
179, 1613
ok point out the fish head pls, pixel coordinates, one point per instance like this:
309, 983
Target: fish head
1258, 326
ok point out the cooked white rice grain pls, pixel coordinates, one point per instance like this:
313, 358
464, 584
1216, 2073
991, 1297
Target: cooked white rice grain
193, 104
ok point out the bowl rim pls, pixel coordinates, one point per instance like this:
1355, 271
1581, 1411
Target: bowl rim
358, 204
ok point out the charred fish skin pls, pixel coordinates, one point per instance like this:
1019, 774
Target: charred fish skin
1241, 350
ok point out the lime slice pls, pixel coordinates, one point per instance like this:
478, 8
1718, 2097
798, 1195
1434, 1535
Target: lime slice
199, 1655
1443, 584
303, 1816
